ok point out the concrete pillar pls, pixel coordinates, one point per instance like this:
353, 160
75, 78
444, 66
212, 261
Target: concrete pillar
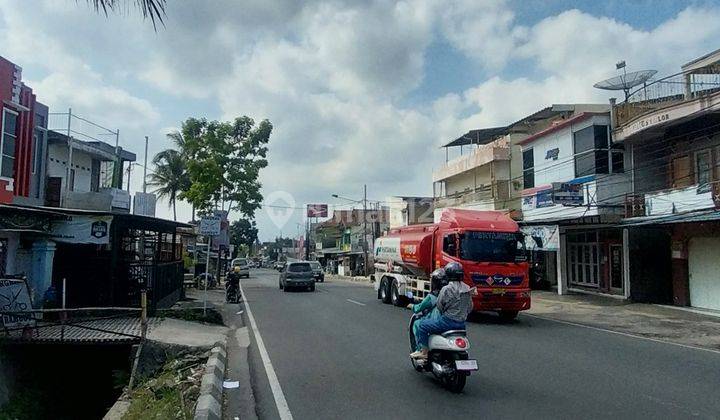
562, 284
626, 262
43, 253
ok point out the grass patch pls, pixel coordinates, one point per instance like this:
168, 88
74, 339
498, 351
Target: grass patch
171, 394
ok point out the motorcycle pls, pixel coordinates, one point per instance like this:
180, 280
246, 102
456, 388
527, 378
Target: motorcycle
447, 357
232, 293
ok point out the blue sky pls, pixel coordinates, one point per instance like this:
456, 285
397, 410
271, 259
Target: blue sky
359, 92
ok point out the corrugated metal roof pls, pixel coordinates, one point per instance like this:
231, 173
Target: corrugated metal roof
114, 330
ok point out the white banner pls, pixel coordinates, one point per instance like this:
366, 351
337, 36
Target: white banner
549, 236
82, 229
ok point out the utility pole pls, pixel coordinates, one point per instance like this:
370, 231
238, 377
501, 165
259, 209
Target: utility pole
365, 245
145, 167
68, 169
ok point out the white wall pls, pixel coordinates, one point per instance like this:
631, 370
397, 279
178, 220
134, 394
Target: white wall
82, 163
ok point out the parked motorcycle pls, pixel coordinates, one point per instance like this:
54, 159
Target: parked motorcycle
232, 293
447, 357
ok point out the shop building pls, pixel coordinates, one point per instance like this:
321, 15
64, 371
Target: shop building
574, 189
671, 132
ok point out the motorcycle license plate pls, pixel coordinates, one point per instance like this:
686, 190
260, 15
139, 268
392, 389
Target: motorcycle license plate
466, 365
498, 291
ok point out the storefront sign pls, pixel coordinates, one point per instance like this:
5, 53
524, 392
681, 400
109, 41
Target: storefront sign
544, 199
564, 193
83, 230
15, 297
542, 237
552, 154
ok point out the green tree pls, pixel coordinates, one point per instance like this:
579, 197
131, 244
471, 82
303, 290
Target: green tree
224, 160
243, 232
170, 176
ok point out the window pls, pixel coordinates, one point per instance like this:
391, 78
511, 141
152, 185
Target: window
528, 168
595, 153
450, 244
9, 126
37, 149
299, 268
681, 172
491, 246
703, 167
71, 185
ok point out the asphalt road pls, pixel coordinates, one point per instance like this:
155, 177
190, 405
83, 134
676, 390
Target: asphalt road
340, 353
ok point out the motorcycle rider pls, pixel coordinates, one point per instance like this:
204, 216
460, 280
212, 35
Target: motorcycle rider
454, 304
233, 283
438, 279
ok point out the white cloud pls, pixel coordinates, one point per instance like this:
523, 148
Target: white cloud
332, 75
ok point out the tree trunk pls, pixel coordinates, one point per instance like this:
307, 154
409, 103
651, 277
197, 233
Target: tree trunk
193, 212
174, 211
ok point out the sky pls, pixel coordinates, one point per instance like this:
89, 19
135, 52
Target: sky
359, 92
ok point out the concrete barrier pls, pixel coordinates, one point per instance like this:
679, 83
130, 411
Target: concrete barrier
209, 405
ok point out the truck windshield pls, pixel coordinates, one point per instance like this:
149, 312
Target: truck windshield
491, 246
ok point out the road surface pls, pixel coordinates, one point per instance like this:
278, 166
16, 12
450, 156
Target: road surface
340, 353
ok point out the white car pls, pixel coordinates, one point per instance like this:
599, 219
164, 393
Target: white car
244, 266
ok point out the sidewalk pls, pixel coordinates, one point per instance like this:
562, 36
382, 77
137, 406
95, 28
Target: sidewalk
645, 320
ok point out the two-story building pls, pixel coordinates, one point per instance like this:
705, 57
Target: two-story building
670, 129
574, 188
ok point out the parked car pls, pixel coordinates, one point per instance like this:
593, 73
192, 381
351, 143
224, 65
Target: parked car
318, 272
297, 275
244, 266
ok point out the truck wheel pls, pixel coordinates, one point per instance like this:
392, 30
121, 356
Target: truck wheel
384, 290
508, 315
395, 297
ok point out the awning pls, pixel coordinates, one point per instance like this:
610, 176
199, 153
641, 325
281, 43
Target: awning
689, 217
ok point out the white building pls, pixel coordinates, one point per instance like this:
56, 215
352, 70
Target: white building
575, 187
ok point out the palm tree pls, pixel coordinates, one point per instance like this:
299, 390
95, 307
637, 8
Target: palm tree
153, 9
170, 176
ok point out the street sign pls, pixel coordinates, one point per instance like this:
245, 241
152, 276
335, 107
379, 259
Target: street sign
210, 226
317, 210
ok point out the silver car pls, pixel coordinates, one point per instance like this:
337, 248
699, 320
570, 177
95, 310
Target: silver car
244, 266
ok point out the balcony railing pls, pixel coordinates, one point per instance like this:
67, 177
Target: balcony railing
669, 90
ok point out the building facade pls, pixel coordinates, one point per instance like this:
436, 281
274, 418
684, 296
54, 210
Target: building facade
670, 129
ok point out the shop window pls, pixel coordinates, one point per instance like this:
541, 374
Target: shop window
595, 153
7, 149
681, 172
528, 168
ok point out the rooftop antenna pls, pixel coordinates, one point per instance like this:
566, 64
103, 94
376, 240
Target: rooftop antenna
625, 81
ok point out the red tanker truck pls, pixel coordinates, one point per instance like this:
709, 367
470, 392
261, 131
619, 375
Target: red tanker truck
488, 244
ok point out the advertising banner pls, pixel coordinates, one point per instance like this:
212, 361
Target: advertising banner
547, 235
317, 210
82, 229
15, 297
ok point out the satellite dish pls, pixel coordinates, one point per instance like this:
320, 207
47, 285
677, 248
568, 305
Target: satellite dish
626, 81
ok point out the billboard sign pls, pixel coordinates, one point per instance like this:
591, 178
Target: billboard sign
317, 210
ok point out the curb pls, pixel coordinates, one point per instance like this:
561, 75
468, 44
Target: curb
209, 404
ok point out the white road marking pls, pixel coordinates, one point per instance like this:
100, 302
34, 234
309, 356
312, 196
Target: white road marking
575, 324
355, 302
280, 402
